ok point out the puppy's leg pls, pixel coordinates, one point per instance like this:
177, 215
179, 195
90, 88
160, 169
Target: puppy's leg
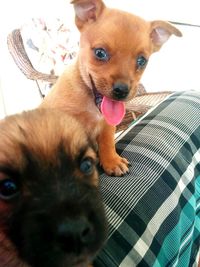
111, 162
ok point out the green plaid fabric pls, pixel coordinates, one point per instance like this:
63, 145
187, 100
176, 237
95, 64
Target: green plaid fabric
154, 211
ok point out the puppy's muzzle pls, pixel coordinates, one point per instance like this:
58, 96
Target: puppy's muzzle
120, 91
75, 234
69, 227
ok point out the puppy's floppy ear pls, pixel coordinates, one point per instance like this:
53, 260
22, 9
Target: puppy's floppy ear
160, 33
87, 11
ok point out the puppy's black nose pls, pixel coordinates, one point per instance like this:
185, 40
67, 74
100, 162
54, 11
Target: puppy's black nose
75, 234
120, 90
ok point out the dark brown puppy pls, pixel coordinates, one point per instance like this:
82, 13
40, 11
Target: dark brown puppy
51, 214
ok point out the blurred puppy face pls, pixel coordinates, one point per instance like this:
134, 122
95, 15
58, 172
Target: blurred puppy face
51, 213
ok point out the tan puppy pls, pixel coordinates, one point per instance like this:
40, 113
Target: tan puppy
115, 47
51, 213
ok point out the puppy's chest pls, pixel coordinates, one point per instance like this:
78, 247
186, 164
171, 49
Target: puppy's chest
91, 118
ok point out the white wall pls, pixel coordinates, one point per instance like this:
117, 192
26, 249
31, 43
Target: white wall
175, 10
176, 66
17, 91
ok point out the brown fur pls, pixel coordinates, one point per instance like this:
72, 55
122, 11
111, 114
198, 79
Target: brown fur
125, 37
43, 149
42, 137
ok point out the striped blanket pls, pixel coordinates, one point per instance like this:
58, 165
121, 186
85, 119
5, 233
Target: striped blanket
154, 212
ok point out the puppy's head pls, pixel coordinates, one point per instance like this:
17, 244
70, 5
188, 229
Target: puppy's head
51, 212
115, 47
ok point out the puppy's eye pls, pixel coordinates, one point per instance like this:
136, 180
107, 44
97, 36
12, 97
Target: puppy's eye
141, 62
101, 54
87, 166
8, 189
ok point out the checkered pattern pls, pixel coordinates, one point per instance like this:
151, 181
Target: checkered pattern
154, 212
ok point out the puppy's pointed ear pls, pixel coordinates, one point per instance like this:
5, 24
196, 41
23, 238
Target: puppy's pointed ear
87, 11
160, 33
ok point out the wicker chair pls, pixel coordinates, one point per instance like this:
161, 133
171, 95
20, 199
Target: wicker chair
137, 106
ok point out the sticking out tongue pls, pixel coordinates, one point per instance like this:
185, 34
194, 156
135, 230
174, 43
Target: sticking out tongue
113, 111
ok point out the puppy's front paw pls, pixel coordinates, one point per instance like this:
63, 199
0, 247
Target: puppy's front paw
116, 166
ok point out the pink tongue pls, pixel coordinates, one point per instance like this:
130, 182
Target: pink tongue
113, 111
